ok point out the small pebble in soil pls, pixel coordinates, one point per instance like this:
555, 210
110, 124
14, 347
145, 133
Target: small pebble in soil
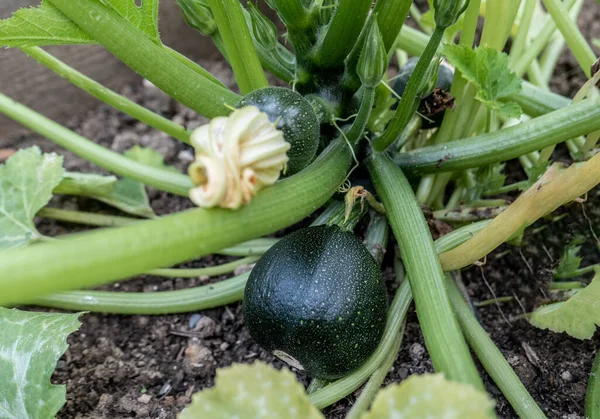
144, 398
194, 319
417, 351
206, 327
165, 389
197, 355
566, 375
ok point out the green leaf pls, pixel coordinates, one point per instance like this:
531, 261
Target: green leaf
596, 41
46, 25
430, 396
570, 259
256, 391
487, 178
148, 156
127, 195
26, 183
487, 69
30, 345
578, 316
534, 173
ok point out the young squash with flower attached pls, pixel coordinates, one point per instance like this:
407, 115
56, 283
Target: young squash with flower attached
236, 156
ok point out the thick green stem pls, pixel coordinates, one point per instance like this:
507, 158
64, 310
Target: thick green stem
316, 384
411, 40
391, 15
553, 128
87, 218
279, 62
193, 66
208, 271
241, 53
575, 40
492, 359
150, 60
499, 19
106, 255
592, 396
293, 14
406, 106
255, 247
467, 35
554, 49
165, 180
443, 338
367, 395
537, 45
521, 39
108, 96
341, 33
149, 303
360, 123
376, 238
536, 102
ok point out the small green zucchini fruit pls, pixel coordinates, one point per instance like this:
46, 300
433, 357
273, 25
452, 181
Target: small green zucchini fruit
316, 300
295, 117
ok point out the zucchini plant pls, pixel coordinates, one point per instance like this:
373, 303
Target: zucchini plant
344, 138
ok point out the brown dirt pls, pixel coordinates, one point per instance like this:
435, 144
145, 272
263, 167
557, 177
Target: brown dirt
143, 366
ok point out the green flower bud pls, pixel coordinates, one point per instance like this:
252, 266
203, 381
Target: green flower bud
198, 15
372, 63
447, 12
263, 29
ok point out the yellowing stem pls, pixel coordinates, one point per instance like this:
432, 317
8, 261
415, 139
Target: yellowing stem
557, 187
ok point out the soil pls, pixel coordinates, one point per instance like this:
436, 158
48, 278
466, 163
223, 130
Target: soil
149, 366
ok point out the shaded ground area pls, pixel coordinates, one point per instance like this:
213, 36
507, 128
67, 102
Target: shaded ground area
148, 367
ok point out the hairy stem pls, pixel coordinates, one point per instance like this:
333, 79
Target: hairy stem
509, 143
108, 96
492, 359
241, 54
165, 180
443, 338
149, 303
406, 107
150, 60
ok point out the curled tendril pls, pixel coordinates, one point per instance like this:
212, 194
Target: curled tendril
236, 156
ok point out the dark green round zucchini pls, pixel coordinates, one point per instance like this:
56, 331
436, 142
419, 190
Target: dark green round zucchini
316, 300
295, 117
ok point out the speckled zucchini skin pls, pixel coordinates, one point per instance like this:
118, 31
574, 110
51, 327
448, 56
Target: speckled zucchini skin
317, 296
296, 118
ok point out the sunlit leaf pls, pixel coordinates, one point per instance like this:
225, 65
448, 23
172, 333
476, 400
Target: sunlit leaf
149, 157
578, 316
46, 25
430, 396
30, 345
256, 391
487, 69
570, 259
127, 195
26, 183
